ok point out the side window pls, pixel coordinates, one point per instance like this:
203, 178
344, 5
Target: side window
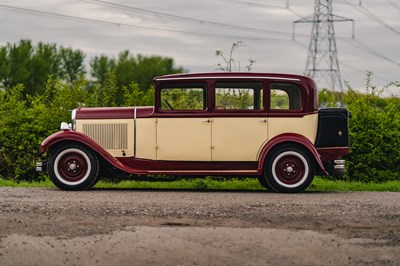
238, 96
183, 97
285, 96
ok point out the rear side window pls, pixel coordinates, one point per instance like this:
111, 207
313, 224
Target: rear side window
183, 97
285, 96
238, 96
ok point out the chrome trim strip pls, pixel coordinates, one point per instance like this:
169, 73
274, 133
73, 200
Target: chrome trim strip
73, 117
134, 132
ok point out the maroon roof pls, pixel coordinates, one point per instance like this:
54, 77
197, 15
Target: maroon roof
232, 75
308, 86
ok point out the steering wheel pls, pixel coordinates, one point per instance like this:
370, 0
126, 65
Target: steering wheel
168, 104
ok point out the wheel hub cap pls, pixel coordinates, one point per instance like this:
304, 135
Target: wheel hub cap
72, 167
290, 169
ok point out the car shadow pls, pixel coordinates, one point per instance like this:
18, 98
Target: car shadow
208, 190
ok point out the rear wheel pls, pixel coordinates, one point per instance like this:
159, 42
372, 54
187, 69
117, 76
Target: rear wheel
73, 167
289, 168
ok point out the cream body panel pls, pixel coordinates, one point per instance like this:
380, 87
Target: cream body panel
183, 139
238, 139
146, 143
305, 126
114, 135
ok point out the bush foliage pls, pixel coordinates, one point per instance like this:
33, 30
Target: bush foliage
374, 135
26, 121
39, 86
26, 118
374, 132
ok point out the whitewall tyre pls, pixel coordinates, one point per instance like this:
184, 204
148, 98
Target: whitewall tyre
289, 168
73, 167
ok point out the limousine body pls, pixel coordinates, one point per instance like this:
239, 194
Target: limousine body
261, 125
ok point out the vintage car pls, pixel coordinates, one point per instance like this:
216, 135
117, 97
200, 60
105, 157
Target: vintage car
261, 125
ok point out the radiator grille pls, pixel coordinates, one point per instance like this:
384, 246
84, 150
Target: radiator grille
109, 136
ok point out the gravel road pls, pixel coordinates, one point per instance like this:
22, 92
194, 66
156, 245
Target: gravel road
177, 227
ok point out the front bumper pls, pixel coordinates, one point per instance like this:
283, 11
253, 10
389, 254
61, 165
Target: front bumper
41, 166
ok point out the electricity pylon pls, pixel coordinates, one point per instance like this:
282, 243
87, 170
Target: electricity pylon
322, 60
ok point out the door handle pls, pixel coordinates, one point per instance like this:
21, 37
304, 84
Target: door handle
264, 120
206, 121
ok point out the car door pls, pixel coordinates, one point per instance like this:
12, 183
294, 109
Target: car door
183, 124
239, 124
238, 138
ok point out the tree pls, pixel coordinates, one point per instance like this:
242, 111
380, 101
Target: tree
16, 64
149, 67
109, 94
31, 66
72, 64
100, 67
128, 68
45, 62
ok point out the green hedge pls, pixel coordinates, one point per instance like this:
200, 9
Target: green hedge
374, 136
25, 121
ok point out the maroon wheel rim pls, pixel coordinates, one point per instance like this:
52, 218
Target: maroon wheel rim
72, 167
290, 169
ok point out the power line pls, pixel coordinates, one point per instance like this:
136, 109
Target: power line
369, 14
346, 64
110, 23
363, 71
253, 3
346, 2
364, 47
181, 18
394, 4
355, 43
379, 20
248, 3
361, 46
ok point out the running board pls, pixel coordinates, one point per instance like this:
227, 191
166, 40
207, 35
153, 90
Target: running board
208, 172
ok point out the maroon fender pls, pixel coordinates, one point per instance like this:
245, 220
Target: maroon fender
68, 135
285, 138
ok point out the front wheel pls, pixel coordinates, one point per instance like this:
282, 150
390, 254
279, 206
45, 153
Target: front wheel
73, 167
289, 168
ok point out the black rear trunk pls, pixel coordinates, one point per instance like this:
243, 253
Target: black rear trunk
333, 129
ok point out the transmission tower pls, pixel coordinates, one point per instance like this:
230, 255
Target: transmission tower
322, 60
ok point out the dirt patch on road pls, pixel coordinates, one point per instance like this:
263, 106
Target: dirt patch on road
125, 227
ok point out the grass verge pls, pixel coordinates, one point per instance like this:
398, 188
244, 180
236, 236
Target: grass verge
321, 184
11, 183
251, 184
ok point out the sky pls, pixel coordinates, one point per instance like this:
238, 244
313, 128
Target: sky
190, 31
